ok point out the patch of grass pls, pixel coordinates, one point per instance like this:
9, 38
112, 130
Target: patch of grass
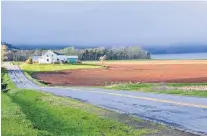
186, 84
61, 119
131, 86
6, 79
148, 61
31, 68
36, 81
14, 121
184, 92
28, 112
116, 61
17, 62
156, 88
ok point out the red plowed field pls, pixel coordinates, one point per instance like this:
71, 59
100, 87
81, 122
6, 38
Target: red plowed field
172, 73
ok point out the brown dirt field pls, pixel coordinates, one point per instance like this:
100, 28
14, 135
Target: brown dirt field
170, 73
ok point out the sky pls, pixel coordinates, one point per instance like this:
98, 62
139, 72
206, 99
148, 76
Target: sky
104, 23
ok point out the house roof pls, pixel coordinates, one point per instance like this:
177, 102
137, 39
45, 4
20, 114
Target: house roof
35, 58
57, 53
72, 56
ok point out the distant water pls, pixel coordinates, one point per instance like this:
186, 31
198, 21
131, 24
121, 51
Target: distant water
180, 56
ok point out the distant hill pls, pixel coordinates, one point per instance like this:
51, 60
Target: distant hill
51, 46
10, 46
176, 49
156, 49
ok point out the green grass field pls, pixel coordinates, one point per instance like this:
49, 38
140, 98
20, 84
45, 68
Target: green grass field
159, 88
33, 113
148, 61
31, 68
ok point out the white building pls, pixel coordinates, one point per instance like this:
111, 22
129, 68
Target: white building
52, 57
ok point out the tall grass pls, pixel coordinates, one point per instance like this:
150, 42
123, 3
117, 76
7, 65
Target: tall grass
33, 113
160, 88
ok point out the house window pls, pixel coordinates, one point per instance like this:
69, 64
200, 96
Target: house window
47, 60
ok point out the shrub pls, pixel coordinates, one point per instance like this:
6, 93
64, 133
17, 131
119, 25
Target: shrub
29, 61
79, 62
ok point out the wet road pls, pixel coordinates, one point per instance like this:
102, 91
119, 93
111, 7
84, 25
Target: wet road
186, 113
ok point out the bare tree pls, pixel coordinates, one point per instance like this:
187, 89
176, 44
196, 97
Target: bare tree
4, 50
29, 60
102, 59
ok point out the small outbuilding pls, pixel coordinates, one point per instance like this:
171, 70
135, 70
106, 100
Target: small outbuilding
72, 59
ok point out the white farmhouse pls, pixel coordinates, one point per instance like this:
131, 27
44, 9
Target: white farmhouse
53, 57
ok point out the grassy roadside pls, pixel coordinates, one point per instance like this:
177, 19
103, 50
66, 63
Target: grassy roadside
28, 112
186, 84
31, 68
36, 81
159, 88
14, 121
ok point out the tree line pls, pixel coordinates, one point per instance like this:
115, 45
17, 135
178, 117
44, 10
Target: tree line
118, 53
